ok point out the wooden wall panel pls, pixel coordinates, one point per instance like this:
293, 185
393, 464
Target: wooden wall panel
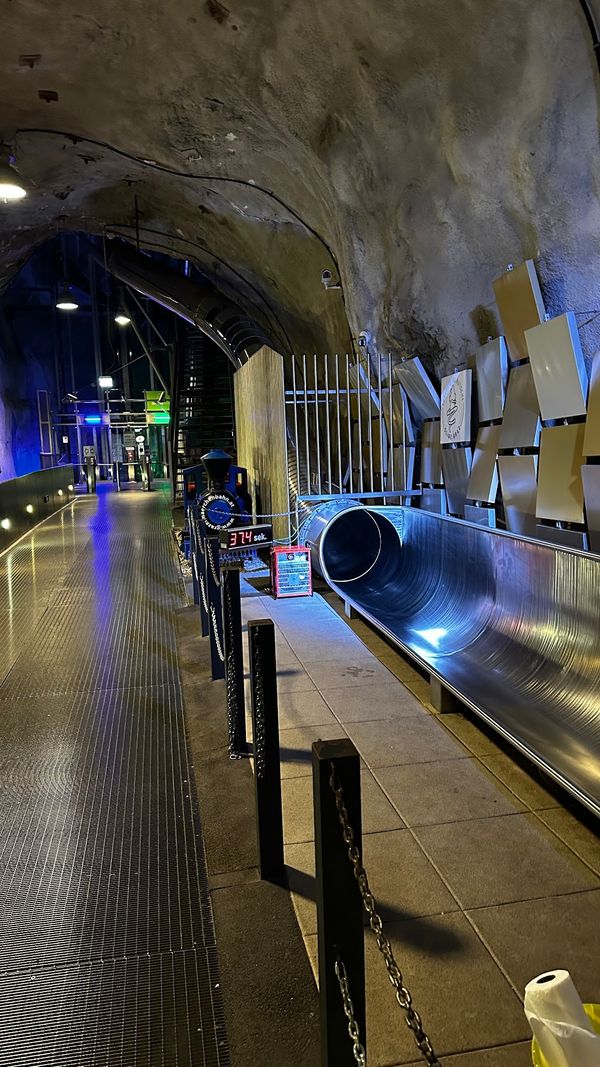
261, 434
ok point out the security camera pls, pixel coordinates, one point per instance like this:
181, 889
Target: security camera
363, 340
326, 280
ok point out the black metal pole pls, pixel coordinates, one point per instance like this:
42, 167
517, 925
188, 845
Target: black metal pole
267, 768
234, 662
339, 905
213, 584
90, 475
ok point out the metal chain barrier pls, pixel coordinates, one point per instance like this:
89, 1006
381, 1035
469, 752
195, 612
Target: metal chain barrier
230, 673
211, 560
353, 1031
403, 996
259, 698
200, 578
213, 617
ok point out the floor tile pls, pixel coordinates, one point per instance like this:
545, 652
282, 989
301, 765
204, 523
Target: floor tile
414, 739
508, 1056
580, 838
298, 822
295, 747
349, 649
290, 679
448, 791
402, 879
419, 687
381, 701
470, 733
404, 883
300, 866
335, 673
306, 708
526, 784
463, 999
533, 936
513, 857
512, 1055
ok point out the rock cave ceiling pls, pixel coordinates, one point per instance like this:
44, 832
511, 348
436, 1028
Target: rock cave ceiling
415, 148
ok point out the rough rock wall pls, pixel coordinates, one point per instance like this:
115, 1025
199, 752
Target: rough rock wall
424, 145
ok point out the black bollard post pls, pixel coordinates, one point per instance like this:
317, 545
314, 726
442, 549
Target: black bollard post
90, 475
215, 614
234, 662
339, 905
267, 768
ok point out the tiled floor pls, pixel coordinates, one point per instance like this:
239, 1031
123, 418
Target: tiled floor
484, 877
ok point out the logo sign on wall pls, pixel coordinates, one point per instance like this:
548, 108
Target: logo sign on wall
455, 408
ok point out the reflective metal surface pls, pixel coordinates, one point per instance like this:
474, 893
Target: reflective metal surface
591, 442
492, 370
521, 424
431, 454
480, 515
413, 377
590, 475
456, 465
560, 489
558, 367
434, 500
518, 480
508, 624
520, 304
483, 480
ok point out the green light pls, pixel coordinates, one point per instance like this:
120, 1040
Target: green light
162, 418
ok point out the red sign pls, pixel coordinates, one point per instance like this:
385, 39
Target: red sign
291, 573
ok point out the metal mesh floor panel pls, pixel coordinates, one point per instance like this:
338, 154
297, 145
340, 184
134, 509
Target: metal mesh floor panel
107, 951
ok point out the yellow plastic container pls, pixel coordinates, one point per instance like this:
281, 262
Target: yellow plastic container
593, 1013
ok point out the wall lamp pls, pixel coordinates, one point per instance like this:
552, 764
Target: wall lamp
12, 186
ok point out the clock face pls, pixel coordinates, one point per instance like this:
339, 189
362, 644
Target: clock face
217, 511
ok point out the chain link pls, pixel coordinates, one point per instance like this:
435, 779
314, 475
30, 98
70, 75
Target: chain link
230, 672
403, 996
203, 591
211, 560
353, 1031
213, 617
259, 711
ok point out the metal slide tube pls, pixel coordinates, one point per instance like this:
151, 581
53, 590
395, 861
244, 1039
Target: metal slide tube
508, 624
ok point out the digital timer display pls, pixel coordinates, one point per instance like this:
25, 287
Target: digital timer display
246, 537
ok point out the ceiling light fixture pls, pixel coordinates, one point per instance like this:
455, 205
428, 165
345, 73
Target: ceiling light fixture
66, 301
106, 381
12, 186
121, 318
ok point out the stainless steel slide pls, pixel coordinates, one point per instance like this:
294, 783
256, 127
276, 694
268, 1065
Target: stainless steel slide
511, 625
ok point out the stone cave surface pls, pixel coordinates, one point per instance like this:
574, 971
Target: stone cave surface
412, 149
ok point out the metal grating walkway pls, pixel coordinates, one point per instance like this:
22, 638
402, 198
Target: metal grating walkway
107, 949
